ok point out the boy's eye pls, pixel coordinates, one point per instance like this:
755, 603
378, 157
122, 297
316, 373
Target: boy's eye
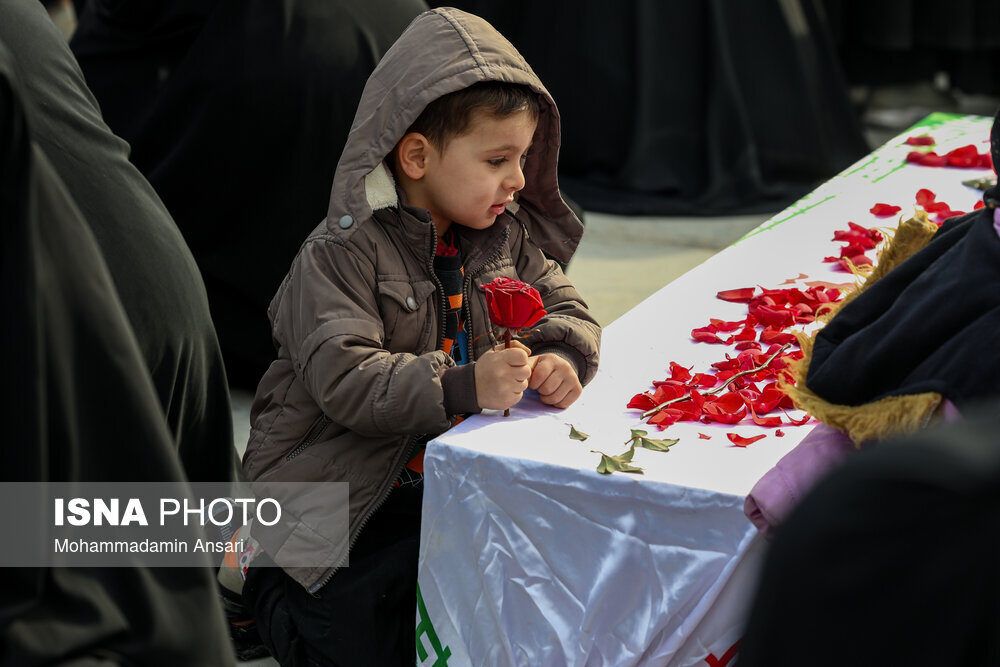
524, 158
497, 161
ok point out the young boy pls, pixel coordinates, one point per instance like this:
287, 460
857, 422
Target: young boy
448, 180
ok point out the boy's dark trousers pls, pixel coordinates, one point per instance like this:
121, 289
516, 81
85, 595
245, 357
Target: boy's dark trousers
365, 615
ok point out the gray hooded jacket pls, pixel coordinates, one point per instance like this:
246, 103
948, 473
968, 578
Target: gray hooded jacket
357, 322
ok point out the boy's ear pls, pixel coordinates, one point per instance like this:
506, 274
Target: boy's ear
412, 153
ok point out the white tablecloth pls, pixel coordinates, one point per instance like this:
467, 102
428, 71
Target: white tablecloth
528, 556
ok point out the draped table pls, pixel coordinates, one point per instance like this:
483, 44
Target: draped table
529, 556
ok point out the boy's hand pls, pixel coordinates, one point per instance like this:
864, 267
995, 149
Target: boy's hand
555, 379
501, 377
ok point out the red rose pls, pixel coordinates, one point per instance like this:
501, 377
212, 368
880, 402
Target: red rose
513, 304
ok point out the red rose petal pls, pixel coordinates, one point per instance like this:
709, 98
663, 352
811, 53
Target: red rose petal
663, 418
641, 402
925, 197
679, 373
765, 421
777, 318
780, 433
922, 140
796, 422
740, 441
723, 325
741, 295
770, 336
730, 401
965, 157
884, 209
704, 437
668, 392
703, 336
704, 380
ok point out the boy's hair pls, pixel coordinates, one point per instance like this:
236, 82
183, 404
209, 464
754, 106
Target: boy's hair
449, 116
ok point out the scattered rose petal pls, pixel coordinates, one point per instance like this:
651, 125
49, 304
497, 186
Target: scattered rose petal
679, 373
664, 418
703, 336
741, 295
642, 402
765, 421
796, 422
704, 380
881, 209
925, 197
770, 336
966, 156
724, 412
922, 140
780, 433
704, 437
667, 392
929, 159
740, 441
724, 326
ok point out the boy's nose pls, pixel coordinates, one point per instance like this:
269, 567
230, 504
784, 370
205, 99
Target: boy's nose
515, 181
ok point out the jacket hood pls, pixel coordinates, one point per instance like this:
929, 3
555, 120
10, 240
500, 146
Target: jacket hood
442, 51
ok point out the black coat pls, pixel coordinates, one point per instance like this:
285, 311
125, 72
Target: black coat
79, 405
154, 274
929, 325
237, 111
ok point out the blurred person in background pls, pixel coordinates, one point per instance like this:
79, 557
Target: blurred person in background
79, 405
154, 274
237, 111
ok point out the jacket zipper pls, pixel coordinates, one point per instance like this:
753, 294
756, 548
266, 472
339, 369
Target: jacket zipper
411, 443
383, 496
466, 308
310, 437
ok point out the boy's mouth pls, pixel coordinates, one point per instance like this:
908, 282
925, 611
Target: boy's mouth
497, 209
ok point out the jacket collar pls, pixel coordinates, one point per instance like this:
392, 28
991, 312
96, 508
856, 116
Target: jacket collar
383, 194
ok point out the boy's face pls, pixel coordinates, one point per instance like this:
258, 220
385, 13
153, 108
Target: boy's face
477, 173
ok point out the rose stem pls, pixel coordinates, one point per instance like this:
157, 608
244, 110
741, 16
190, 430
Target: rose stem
506, 345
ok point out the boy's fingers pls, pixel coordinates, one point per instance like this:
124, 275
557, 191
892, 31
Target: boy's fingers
554, 386
538, 376
564, 396
515, 356
518, 344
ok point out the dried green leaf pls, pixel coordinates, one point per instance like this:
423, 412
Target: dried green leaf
638, 433
620, 463
576, 435
657, 445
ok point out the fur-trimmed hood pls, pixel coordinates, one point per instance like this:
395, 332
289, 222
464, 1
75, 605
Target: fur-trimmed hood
921, 329
420, 67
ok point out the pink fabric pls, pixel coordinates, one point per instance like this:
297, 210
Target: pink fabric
784, 485
794, 475
996, 220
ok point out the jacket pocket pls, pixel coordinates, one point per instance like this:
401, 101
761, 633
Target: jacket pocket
312, 435
407, 314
